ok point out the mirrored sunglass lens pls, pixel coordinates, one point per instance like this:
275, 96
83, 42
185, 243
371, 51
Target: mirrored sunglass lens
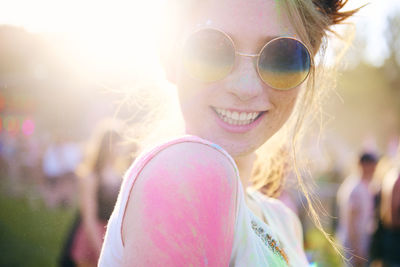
284, 63
208, 55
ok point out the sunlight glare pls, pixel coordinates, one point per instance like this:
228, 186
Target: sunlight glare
120, 33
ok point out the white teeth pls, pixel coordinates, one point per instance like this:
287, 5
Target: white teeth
235, 115
236, 118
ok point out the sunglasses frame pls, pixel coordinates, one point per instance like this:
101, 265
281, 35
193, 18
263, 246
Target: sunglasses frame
255, 56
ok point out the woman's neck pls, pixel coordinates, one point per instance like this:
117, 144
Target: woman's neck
245, 165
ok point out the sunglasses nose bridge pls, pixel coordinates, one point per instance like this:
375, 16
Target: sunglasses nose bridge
247, 55
244, 81
252, 57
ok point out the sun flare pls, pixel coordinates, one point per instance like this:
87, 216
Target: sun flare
119, 33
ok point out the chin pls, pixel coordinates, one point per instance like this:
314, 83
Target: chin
235, 148
239, 151
236, 145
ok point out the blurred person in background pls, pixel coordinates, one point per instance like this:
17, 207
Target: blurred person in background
60, 161
31, 160
3, 164
386, 245
3, 156
384, 165
356, 211
71, 157
52, 166
12, 156
99, 180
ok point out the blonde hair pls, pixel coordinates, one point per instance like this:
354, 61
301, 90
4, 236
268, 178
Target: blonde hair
312, 21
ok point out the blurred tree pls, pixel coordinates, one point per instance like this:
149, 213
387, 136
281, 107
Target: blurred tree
369, 102
59, 80
46, 71
392, 64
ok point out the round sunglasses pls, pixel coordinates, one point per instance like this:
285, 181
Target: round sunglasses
209, 56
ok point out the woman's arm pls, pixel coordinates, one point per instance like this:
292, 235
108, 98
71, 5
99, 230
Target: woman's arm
88, 206
182, 209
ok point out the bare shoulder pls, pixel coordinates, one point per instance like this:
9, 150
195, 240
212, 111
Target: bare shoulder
184, 167
189, 155
182, 189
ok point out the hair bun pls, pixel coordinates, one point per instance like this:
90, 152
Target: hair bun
331, 8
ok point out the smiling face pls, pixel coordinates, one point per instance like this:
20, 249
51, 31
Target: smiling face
239, 112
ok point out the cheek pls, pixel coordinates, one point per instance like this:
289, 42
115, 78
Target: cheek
187, 92
284, 103
194, 100
195, 95
288, 104
188, 88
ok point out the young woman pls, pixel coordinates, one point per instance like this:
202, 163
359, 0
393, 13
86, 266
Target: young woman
244, 71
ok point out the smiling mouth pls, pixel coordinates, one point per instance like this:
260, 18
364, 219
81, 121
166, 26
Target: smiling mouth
237, 118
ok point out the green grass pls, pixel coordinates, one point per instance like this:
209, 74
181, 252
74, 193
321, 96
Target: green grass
31, 234
322, 252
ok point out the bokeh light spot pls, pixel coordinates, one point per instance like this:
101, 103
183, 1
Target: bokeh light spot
11, 124
28, 127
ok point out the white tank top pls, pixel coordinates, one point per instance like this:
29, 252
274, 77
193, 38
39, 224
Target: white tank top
278, 243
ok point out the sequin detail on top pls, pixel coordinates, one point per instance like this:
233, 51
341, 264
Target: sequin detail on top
269, 241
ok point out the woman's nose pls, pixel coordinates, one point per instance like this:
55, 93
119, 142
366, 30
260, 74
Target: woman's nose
244, 81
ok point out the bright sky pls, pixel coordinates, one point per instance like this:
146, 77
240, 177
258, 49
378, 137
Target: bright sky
97, 22
107, 30
71, 15
371, 24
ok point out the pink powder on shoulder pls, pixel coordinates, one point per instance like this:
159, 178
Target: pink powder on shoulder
189, 214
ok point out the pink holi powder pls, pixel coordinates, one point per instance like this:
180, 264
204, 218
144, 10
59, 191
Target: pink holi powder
190, 217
